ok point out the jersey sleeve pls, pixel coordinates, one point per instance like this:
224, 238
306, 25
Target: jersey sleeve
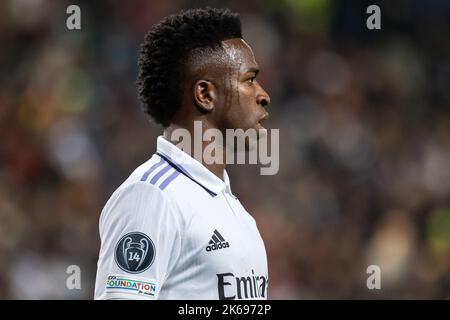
140, 243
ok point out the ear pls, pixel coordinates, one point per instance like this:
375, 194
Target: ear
205, 95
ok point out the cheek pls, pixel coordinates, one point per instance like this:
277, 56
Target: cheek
239, 108
247, 102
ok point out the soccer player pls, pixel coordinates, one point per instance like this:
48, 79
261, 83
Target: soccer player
174, 229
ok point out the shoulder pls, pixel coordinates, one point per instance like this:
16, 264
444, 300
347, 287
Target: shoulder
154, 191
169, 182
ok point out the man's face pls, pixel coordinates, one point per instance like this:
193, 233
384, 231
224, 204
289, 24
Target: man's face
242, 99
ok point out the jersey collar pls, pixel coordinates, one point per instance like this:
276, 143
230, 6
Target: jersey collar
191, 168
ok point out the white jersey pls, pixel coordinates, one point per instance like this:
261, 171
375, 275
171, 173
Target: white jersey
174, 230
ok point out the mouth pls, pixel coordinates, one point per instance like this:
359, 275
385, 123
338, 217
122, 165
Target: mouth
263, 118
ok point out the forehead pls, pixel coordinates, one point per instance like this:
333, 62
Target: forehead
239, 54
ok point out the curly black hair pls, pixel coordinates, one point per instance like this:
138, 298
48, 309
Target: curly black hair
166, 48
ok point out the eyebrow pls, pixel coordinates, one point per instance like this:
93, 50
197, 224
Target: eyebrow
254, 70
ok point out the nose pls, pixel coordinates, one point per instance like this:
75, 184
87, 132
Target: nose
262, 97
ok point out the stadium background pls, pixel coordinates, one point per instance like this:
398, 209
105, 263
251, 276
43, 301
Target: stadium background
364, 119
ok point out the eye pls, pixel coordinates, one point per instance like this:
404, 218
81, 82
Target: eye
251, 80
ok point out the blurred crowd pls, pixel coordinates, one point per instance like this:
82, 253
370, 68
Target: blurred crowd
364, 119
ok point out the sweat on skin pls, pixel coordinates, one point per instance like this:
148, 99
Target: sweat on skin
233, 108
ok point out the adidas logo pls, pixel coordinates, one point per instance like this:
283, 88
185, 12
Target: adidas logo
217, 242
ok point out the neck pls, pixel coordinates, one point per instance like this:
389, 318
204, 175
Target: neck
195, 134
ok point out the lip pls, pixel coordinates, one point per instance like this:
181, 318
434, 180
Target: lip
261, 120
264, 117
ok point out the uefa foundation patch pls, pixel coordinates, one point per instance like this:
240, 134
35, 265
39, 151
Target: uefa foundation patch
131, 285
